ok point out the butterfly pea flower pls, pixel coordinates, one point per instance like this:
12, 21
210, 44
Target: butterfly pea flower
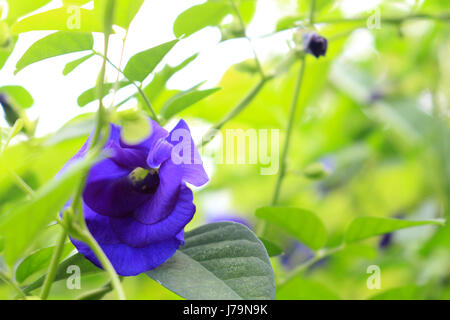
136, 202
315, 44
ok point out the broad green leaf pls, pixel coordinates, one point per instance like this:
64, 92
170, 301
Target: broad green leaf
273, 249
221, 261
23, 223
210, 13
74, 64
305, 226
18, 95
184, 100
158, 83
143, 63
91, 94
86, 268
56, 44
38, 261
365, 227
126, 10
20, 8
304, 289
66, 18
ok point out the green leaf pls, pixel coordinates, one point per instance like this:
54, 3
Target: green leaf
21, 8
303, 289
184, 100
54, 45
91, 94
219, 261
305, 226
365, 227
86, 268
247, 9
61, 19
5, 53
210, 13
37, 261
287, 22
126, 10
273, 249
143, 63
18, 95
24, 222
156, 87
74, 64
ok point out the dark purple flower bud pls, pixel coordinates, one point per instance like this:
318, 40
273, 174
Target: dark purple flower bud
385, 241
295, 255
315, 44
136, 202
375, 96
11, 115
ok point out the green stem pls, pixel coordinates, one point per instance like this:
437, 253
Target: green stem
21, 183
115, 280
141, 92
319, 256
78, 227
285, 153
13, 285
312, 11
96, 294
243, 28
234, 112
57, 253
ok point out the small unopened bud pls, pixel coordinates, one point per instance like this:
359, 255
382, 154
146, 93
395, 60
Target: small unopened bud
11, 115
315, 44
5, 36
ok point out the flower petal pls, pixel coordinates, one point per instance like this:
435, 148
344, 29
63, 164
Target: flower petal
128, 261
161, 204
99, 226
110, 192
160, 153
186, 155
136, 234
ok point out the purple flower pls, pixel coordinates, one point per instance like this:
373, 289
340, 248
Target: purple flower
315, 44
136, 202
